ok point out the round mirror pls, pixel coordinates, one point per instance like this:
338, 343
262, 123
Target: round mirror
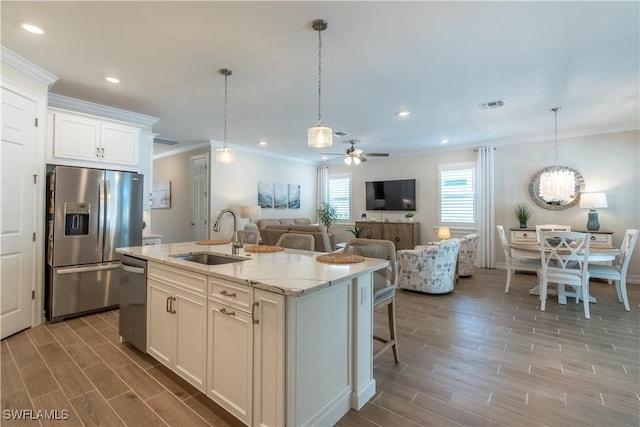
534, 191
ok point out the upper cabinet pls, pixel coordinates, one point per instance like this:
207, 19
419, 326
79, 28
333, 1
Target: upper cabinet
83, 138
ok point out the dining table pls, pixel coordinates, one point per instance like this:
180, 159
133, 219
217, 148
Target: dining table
598, 252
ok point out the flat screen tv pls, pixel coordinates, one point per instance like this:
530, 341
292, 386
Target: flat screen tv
397, 195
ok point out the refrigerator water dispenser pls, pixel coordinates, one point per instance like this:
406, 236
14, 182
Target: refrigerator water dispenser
76, 219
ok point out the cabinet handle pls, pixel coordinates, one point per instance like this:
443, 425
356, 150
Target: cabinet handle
167, 305
228, 313
593, 238
524, 235
397, 239
227, 294
173, 311
103, 152
254, 315
97, 151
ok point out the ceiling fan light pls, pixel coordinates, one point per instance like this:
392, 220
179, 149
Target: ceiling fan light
348, 160
319, 137
356, 160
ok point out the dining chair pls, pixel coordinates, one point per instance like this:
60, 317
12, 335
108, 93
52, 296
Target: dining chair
304, 242
551, 227
618, 271
516, 263
565, 259
384, 284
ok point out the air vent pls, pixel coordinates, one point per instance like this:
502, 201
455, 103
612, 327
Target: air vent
492, 104
340, 133
165, 141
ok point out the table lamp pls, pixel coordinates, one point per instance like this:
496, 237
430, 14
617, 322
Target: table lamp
592, 201
444, 233
251, 212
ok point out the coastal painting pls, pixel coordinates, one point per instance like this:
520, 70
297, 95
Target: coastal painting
280, 196
265, 194
161, 196
294, 196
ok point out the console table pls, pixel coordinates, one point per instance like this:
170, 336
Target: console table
530, 234
405, 235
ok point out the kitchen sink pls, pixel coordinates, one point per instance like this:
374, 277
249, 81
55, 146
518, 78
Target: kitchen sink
208, 258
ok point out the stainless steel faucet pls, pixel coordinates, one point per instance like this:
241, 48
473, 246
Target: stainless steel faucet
236, 243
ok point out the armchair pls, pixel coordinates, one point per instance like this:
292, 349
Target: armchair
430, 269
467, 254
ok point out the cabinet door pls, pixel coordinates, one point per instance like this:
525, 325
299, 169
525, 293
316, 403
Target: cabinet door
159, 322
119, 144
372, 230
268, 359
400, 234
190, 317
229, 360
76, 137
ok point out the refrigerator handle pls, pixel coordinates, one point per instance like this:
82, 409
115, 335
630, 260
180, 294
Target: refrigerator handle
101, 203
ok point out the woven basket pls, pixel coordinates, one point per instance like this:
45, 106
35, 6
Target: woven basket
340, 258
263, 248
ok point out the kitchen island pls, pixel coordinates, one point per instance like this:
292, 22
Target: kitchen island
275, 338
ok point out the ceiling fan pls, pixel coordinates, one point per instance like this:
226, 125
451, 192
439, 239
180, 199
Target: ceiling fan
355, 156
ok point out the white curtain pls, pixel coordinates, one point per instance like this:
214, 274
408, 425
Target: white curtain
486, 207
322, 193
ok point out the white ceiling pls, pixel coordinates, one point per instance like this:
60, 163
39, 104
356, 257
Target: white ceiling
437, 59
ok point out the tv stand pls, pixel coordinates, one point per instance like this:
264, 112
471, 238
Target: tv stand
405, 235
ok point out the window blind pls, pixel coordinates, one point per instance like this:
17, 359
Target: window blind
340, 195
457, 195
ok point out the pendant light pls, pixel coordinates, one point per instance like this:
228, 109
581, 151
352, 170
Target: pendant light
558, 183
320, 136
225, 154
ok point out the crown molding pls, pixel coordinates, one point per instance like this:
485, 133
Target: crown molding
11, 58
80, 106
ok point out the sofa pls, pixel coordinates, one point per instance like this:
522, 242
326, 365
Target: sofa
271, 233
262, 223
430, 269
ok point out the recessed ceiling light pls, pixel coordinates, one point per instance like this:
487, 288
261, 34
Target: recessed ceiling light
32, 28
444, 141
262, 142
112, 79
403, 113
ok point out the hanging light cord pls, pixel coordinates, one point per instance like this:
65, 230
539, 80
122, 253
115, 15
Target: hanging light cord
319, 76
225, 109
555, 111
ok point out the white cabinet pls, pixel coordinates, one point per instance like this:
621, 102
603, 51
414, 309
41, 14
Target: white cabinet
147, 241
269, 356
176, 321
230, 348
84, 138
523, 234
530, 234
246, 352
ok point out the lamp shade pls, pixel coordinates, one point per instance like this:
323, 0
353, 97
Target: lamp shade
593, 200
250, 211
320, 136
444, 233
225, 155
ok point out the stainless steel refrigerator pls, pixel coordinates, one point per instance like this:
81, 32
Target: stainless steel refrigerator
90, 213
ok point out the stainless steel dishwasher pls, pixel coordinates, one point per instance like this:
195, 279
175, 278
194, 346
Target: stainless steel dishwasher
133, 302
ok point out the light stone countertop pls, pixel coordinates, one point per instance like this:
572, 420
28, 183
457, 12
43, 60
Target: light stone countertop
289, 272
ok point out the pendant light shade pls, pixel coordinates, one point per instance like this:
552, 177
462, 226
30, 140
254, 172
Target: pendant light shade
225, 154
558, 183
319, 136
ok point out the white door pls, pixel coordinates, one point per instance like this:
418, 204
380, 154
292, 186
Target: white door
17, 227
200, 197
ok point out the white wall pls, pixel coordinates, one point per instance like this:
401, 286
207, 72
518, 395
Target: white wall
608, 163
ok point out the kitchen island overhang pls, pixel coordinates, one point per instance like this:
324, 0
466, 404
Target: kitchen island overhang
327, 348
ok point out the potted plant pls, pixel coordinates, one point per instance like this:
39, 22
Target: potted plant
409, 216
356, 230
327, 214
523, 212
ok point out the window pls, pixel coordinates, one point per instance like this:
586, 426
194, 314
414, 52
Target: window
458, 193
340, 194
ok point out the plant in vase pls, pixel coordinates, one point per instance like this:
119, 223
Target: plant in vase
327, 214
409, 216
356, 231
523, 212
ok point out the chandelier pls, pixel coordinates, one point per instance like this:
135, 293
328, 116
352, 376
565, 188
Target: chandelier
319, 136
557, 183
225, 154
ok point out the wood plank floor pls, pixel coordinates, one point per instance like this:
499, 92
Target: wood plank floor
475, 357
